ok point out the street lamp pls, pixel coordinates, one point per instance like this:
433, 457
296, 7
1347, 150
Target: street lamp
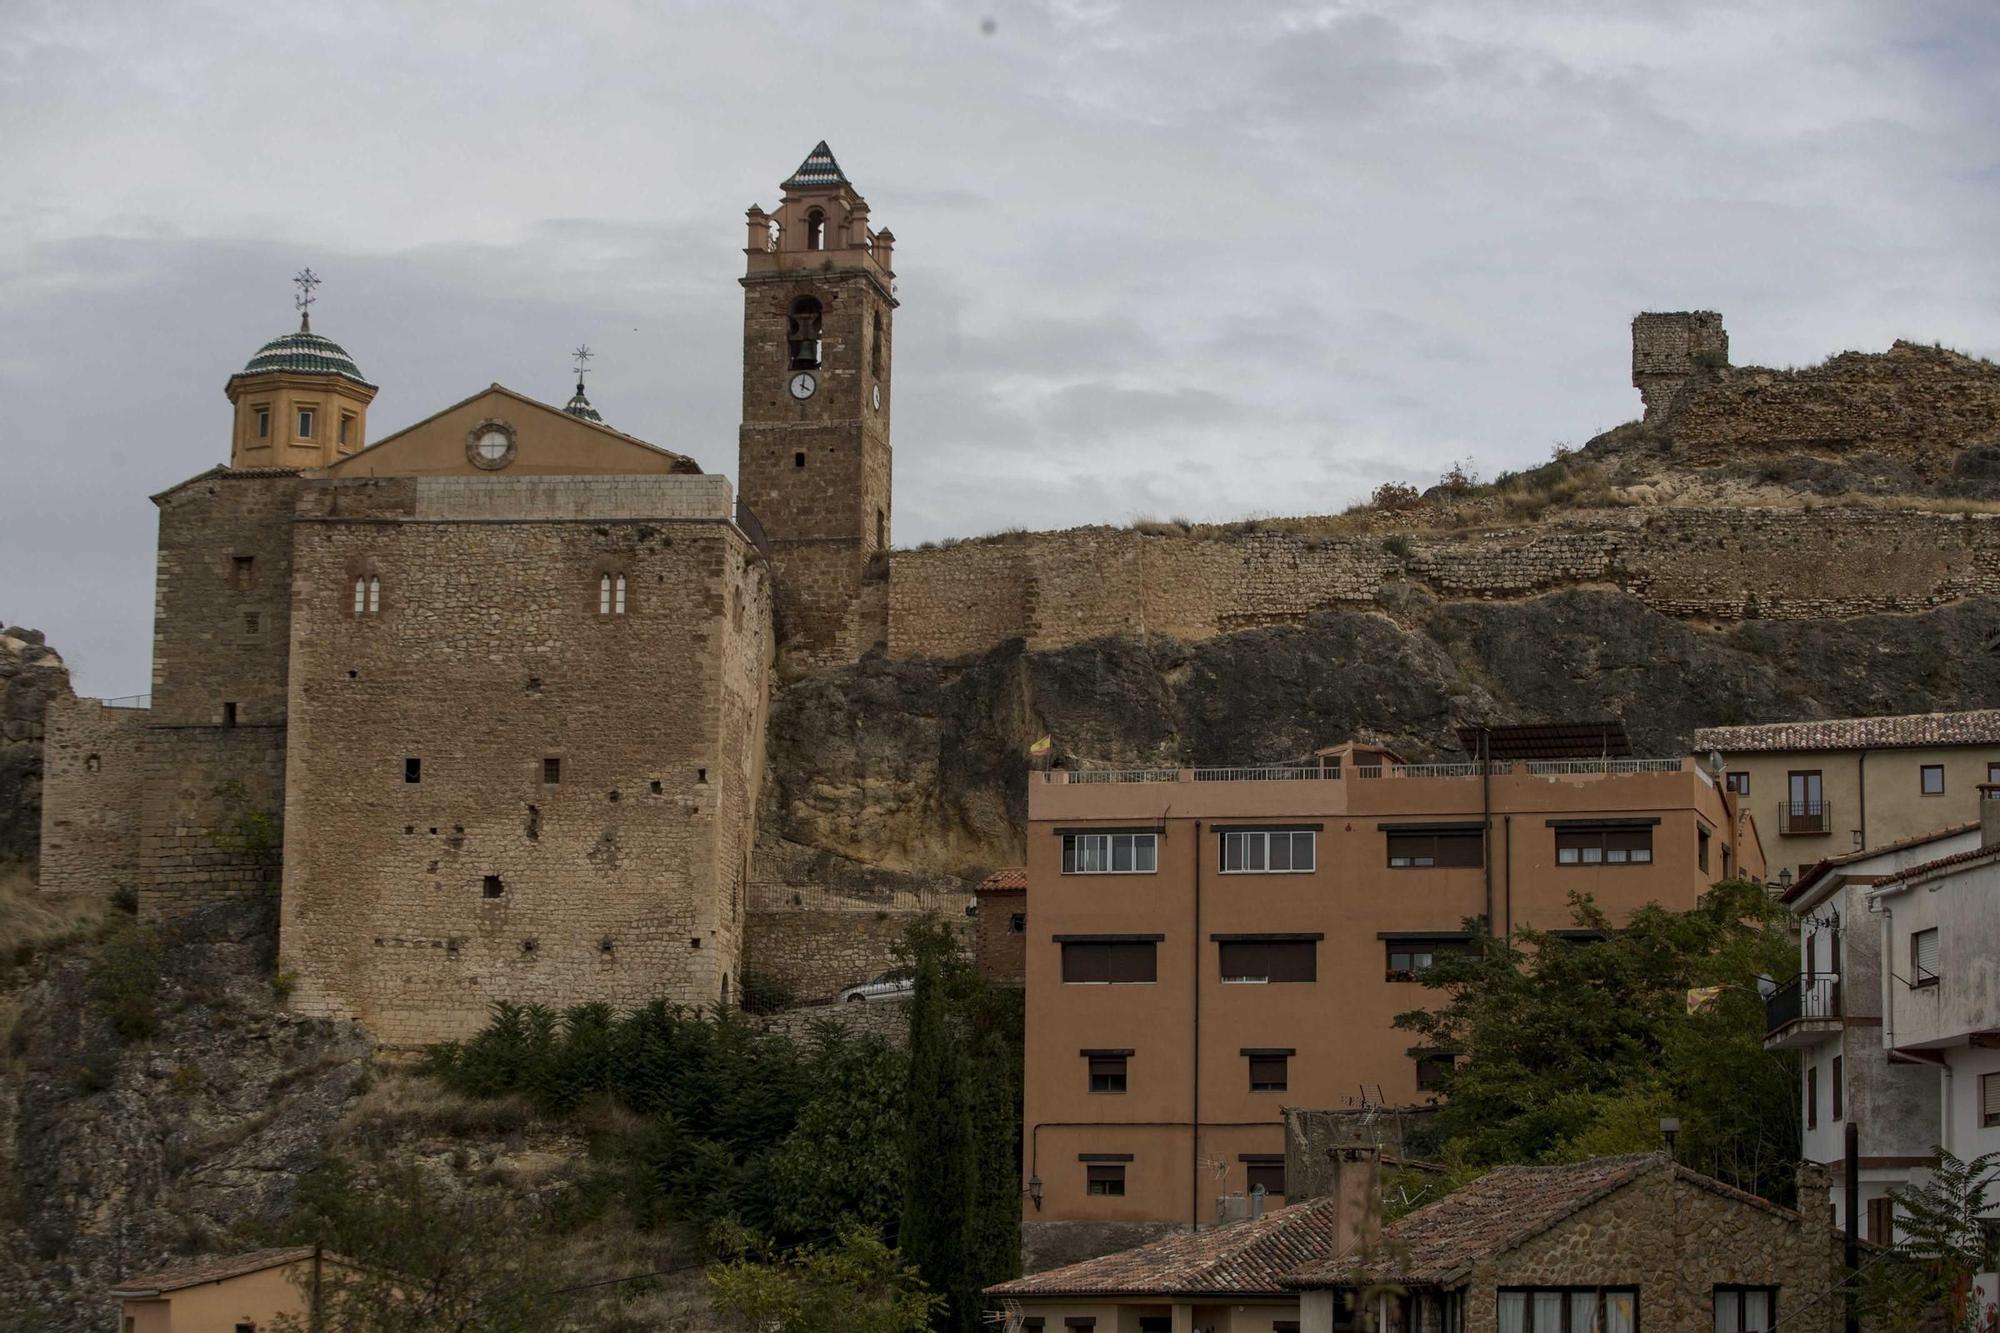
1035, 1192
1785, 878
1670, 1129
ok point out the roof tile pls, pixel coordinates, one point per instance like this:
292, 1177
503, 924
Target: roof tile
1007, 879
1977, 727
214, 1269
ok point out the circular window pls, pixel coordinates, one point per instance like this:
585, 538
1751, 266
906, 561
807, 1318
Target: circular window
490, 444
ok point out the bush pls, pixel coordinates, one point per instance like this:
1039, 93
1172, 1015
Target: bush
1459, 479
1399, 546
124, 980
1394, 495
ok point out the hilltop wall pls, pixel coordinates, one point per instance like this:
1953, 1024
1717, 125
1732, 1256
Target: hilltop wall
1059, 588
32, 676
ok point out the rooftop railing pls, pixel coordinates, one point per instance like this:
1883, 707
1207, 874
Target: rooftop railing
1801, 999
1385, 772
128, 701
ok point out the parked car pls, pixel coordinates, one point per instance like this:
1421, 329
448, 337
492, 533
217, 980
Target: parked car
891, 985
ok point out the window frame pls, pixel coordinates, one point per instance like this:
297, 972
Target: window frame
305, 416
262, 413
1241, 947
1110, 1175
1275, 1065
1243, 839
1254, 1162
1989, 1101
1074, 963
1429, 947
1920, 976
1122, 1074
1739, 1290
1412, 838
1585, 840
1833, 1081
1104, 845
1924, 772
1812, 1096
1737, 782
1568, 1293
1432, 1060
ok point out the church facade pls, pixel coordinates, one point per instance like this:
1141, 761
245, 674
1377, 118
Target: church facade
484, 701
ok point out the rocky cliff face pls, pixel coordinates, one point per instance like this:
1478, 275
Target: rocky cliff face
31, 673
922, 765
120, 1158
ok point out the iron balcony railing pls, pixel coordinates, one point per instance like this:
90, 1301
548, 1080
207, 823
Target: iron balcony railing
1800, 999
1316, 773
1796, 817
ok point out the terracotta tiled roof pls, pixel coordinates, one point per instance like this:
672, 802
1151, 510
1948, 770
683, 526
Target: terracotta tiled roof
1979, 727
1238, 1259
1923, 868
1008, 879
211, 1270
1821, 869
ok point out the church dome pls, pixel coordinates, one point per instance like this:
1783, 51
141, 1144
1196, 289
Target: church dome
579, 406
304, 353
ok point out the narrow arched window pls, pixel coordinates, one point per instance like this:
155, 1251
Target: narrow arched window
875, 349
603, 594
360, 596
803, 333
815, 230
618, 595
374, 594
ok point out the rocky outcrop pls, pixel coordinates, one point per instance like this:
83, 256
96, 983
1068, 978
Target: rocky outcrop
119, 1158
922, 765
31, 673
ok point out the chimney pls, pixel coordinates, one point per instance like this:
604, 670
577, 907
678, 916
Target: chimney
1357, 1189
1989, 815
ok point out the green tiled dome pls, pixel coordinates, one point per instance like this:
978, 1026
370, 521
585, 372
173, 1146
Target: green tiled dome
579, 406
304, 353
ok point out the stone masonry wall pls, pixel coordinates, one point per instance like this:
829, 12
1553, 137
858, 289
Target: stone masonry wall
32, 677
1058, 588
93, 779
818, 921
1675, 1241
413, 905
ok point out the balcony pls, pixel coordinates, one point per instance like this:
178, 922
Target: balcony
1801, 818
1802, 1012
1540, 768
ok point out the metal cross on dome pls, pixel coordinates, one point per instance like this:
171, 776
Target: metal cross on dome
581, 355
305, 280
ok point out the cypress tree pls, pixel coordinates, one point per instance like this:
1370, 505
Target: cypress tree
940, 1175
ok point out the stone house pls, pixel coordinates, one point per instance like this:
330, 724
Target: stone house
1613, 1244
1000, 926
1600, 1245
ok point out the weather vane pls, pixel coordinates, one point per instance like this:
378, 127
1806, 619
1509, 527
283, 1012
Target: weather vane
305, 280
581, 355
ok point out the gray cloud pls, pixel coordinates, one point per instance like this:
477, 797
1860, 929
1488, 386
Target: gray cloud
1170, 258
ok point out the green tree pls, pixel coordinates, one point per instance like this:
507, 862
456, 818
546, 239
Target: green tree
124, 979
855, 1285
843, 1161
1571, 1047
1947, 1232
940, 1174
421, 1260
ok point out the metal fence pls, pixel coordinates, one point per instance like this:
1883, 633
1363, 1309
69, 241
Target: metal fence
1314, 773
1802, 997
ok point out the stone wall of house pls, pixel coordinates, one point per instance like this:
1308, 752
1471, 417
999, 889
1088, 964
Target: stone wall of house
500, 789
818, 921
1675, 1241
999, 944
93, 782
1059, 588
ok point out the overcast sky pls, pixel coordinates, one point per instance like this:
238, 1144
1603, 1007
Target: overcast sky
1167, 258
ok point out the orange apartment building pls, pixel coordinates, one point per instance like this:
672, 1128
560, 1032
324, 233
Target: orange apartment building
1206, 946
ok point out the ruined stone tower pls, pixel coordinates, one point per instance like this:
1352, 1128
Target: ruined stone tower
813, 459
1670, 346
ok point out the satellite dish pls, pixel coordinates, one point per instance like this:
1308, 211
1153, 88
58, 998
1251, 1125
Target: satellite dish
1715, 764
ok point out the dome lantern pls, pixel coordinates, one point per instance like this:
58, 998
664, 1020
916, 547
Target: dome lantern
300, 400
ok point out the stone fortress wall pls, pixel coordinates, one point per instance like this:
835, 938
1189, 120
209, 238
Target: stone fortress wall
93, 780
1059, 588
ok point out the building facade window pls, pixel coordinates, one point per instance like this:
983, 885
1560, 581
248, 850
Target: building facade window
1745, 1309
413, 769
802, 333
306, 415
1611, 846
263, 423
346, 428
1737, 782
1270, 1071
1569, 1310
1701, 850
243, 572
367, 594
1804, 810
1924, 957
1265, 1171
1434, 1072
1812, 1097
1989, 1101
1992, 774
1409, 959
815, 230
1109, 962
611, 594
1106, 1179
1106, 1070
1254, 962
1268, 851
551, 771
1414, 850
1110, 853
1930, 779
1833, 1089
1882, 1220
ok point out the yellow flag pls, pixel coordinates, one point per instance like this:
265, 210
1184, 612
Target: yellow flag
1041, 746
1701, 997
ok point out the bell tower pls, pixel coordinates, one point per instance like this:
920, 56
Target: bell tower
813, 458
301, 400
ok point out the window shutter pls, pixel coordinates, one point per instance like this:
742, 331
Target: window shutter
1292, 960
1924, 946
1989, 1100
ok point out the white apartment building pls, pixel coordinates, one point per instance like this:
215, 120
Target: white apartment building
1831, 1015
1938, 926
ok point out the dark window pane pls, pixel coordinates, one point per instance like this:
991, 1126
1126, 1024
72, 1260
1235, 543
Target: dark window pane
1268, 1073
1270, 1175
1107, 1073
1105, 1179
1133, 961
1084, 961
1243, 959
1292, 960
